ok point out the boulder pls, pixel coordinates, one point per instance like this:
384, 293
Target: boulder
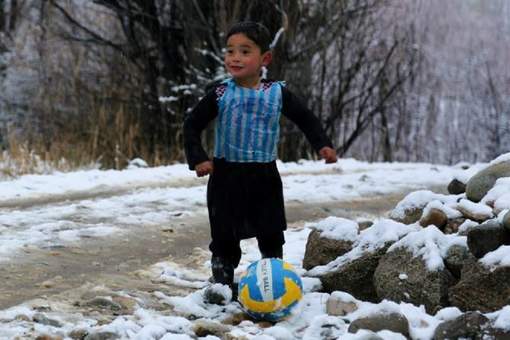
400, 276
338, 307
435, 217
410, 209
393, 322
506, 220
471, 325
481, 288
478, 185
487, 237
456, 187
322, 250
475, 211
411, 215
355, 277
455, 258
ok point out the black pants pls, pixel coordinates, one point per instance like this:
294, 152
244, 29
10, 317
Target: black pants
245, 200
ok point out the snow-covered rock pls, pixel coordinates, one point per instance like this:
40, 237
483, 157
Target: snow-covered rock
471, 325
394, 322
410, 209
456, 187
401, 277
353, 271
478, 185
487, 237
475, 211
481, 288
329, 239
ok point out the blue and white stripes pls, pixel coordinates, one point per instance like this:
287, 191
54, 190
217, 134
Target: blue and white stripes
247, 127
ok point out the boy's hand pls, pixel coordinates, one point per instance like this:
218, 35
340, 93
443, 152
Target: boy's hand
204, 168
329, 154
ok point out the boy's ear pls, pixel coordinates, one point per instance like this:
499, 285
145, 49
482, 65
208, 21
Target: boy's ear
267, 57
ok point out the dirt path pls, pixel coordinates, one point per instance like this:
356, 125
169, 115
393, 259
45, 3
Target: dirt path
110, 261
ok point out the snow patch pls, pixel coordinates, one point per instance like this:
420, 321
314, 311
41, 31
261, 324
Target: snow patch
337, 228
497, 258
430, 244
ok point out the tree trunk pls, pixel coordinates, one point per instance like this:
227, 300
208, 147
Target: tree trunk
385, 139
2, 15
13, 15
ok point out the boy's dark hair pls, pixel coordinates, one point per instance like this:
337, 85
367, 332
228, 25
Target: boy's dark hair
254, 31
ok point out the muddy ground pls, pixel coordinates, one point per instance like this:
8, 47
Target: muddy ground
112, 261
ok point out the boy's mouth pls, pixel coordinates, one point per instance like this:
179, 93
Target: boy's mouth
236, 68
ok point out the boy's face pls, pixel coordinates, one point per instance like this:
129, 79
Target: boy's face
244, 60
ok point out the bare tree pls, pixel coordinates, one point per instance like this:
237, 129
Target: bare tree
350, 69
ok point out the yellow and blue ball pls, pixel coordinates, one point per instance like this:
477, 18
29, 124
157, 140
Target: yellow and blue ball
270, 289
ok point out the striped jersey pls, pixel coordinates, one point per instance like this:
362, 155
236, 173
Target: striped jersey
248, 122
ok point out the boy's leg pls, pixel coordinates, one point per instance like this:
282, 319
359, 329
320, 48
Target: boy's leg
271, 245
223, 272
224, 245
223, 264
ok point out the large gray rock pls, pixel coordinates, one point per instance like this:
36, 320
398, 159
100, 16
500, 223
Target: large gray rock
402, 277
481, 288
506, 221
471, 325
456, 187
478, 185
355, 277
394, 322
455, 259
322, 250
487, 237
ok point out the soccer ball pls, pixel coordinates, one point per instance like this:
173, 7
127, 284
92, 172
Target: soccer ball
269, 289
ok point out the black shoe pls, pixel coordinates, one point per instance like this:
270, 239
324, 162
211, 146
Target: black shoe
222, 270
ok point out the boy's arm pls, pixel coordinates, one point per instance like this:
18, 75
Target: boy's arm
194, 123
296, 111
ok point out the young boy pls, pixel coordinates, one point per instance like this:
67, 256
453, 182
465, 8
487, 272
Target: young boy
244, 193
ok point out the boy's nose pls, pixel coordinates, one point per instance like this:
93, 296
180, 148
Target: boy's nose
236, 57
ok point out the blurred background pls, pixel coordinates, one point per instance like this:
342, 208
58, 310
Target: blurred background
97, 83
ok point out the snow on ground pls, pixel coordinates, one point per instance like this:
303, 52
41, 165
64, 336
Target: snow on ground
157, 195
308, 320
351, 178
